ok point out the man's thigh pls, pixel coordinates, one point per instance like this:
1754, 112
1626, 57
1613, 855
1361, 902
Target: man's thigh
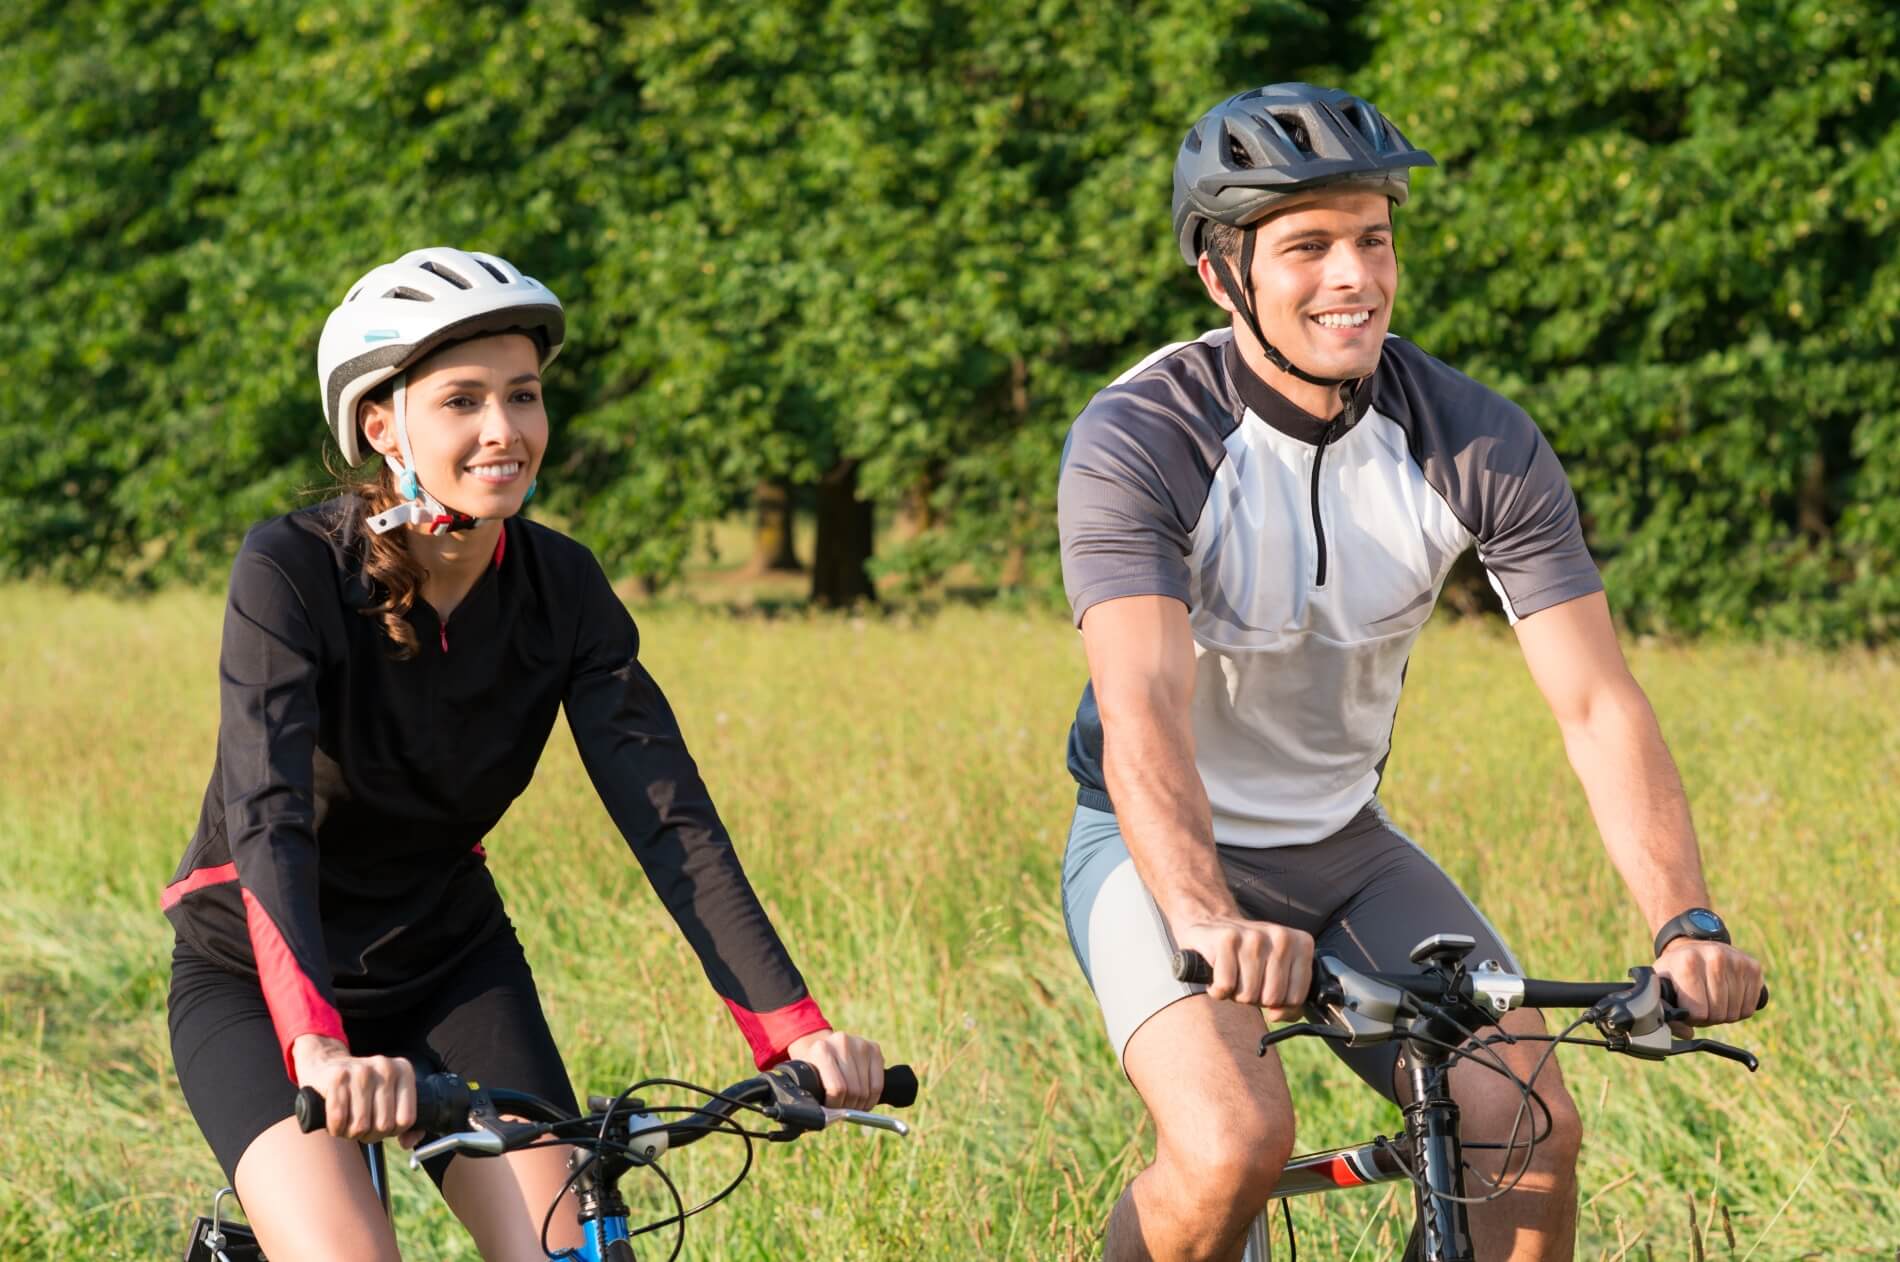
1176, 1052
1368, 894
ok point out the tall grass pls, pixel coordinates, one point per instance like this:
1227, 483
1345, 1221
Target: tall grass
896, 785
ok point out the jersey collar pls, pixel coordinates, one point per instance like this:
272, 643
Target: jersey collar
1287, 416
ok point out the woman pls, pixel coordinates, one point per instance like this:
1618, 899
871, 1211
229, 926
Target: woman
391, 667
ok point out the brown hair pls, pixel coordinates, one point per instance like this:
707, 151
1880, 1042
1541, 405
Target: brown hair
387, 561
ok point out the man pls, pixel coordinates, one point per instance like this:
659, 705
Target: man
1255, 526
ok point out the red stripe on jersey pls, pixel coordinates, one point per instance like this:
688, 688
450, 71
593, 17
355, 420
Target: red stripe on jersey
501, 544
297, 1007
195, 881
770, 1033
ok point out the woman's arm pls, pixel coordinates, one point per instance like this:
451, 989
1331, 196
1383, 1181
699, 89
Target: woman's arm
267, 735
634, 752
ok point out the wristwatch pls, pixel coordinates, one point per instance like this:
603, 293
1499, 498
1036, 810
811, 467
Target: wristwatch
1698, 923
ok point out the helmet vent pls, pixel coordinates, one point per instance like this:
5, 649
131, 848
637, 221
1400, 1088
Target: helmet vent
446, 275
414, 295
1295, 128
492, 270
1237, 156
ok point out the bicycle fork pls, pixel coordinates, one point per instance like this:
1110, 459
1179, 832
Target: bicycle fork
1441, 1232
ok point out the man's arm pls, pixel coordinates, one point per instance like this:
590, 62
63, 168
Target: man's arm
1617, 750
1141, 661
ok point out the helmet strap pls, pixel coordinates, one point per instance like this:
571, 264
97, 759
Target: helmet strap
1243, 303
418, 507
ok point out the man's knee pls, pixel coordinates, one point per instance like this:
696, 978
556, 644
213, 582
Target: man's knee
1498, 1115
1231, 1169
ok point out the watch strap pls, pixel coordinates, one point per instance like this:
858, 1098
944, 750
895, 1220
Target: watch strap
1685, 926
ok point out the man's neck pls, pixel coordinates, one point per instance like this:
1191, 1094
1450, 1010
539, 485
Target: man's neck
1324, 402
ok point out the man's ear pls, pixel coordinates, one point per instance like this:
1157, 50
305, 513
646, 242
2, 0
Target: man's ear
1210, 280
377, 422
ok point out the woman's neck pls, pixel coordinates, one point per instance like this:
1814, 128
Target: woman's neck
454, 562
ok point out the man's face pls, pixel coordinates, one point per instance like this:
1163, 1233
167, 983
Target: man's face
1324, 276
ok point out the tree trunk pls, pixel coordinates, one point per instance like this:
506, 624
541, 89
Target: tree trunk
772, 529
839, 578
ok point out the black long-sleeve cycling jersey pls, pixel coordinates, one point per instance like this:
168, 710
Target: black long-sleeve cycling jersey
338, 853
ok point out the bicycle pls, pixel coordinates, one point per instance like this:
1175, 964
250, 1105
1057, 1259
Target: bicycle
617, 1136
1438, 1013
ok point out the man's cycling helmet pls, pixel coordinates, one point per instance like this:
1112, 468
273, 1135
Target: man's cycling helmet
400, 312
1270, 147
1263, 147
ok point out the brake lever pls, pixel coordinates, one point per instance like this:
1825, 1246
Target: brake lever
489, 1135
1306, 1028
876, 1121
481, 1143
1740, 1055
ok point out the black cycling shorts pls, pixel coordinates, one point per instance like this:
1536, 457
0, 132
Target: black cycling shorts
484, 1022
1368, 894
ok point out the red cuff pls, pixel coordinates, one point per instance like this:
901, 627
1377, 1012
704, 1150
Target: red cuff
770, 1033
297, 1007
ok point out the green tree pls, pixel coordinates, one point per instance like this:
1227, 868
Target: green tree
1668, 231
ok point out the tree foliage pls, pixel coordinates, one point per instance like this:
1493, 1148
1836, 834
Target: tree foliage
911, 239
1668, 231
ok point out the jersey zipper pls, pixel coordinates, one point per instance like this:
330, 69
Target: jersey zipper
1319, 527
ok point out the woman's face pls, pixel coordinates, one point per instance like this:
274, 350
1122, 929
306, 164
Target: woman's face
477, 425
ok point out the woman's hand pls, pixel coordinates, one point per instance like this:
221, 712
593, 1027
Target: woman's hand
365, 1098
852, 1068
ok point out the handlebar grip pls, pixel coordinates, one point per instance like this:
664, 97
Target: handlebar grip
1669, 995
1192, 967
900, 1083
442, 1104
900, 1086
309, 1110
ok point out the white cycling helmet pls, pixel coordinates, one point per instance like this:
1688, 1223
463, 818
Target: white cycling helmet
399, 313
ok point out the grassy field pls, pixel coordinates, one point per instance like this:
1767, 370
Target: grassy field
897, 787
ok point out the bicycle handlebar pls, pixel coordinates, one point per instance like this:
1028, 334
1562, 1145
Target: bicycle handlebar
1192, 967
443, 1100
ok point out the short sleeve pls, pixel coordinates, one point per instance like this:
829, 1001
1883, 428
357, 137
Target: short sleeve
1126, 502
1534, 551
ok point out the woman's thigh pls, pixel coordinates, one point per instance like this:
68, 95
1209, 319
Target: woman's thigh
486, 1024
306, 1196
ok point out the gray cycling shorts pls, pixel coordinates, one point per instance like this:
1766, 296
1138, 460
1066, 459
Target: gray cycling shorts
1367, 893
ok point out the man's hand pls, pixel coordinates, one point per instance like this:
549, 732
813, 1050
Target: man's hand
852, 1068
1716, 983
1255, 962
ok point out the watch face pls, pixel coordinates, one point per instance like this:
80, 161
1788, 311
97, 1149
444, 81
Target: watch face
1705, 921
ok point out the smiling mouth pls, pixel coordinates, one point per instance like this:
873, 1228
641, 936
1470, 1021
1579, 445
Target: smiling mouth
1343, 319
507, 471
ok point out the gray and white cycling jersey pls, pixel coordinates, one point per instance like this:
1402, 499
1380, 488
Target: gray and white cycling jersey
1309, 555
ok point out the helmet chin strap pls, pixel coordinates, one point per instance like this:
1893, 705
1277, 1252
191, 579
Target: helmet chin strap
418, 507
1243, 302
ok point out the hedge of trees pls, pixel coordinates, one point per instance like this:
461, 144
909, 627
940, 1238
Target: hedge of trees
881, 254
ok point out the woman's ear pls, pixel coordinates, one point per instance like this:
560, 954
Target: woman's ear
378, 424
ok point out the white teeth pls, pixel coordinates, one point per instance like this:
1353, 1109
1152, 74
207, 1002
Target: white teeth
1334, 320
497, 472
